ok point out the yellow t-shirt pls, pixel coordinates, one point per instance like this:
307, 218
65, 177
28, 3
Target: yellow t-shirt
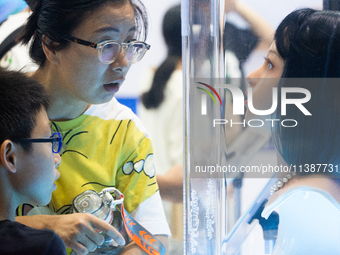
108, 146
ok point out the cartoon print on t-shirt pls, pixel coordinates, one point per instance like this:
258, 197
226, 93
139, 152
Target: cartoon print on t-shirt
147, 166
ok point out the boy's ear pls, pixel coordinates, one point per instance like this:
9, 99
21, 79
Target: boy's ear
48, 48
8, 155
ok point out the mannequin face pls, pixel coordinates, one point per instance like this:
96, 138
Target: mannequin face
263, 80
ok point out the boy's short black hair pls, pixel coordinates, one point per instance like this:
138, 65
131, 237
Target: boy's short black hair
21, 99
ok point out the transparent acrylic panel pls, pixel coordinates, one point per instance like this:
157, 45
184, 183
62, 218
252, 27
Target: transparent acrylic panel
217, 49
205, 199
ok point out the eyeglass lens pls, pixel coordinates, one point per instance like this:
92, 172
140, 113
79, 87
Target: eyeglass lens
111, 50
56, 145
136, 52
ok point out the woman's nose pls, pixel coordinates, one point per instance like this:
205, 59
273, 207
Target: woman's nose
121, 63
254, 77
57, 159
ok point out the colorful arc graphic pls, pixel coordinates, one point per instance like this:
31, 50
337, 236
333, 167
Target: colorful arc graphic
212, 89
208, 94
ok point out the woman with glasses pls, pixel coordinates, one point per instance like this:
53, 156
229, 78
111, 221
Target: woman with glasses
84, 49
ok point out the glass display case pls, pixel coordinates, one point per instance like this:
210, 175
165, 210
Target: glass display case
222, 207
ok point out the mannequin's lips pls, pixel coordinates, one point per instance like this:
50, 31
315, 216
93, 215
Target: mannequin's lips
112, 87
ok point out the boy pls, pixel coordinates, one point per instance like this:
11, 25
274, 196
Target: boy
28, 160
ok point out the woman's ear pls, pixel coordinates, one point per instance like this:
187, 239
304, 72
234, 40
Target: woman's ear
8, 155
49, 49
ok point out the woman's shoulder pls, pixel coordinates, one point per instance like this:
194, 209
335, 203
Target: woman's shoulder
317, 181
110, 110
115, 111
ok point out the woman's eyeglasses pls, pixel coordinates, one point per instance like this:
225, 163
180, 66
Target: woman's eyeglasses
109, 50
55, 139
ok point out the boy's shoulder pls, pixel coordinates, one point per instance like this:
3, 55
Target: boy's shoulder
26, 240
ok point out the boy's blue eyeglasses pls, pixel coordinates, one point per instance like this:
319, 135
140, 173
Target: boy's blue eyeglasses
55, 139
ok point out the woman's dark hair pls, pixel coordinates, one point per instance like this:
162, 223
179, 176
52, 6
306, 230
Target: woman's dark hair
21, 99
309, 43
56, 18
172, 36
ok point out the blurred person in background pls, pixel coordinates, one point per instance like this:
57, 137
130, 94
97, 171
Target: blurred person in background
161, 110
